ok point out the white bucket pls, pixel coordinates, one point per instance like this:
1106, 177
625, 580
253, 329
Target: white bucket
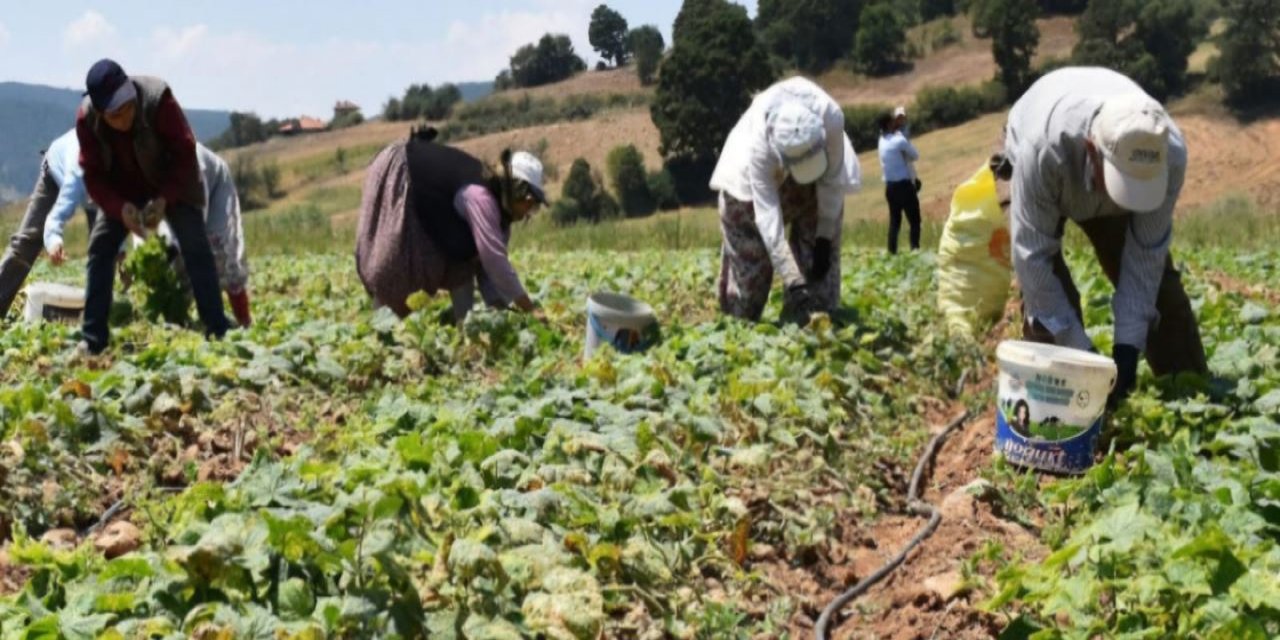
1050, 405
627, 324
53, 301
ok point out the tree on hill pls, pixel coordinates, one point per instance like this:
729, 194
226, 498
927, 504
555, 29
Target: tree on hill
245, 129
707, 81
1248, 65
608, 34
810, 34
1147, 40
880, 46
583, 198
625, 168
930, 9
1014, 38
421, 101
646, 45
551, 60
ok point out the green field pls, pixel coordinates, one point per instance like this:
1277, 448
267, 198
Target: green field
331, 472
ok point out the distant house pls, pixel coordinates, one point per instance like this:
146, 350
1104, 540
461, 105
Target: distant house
343, 107
305, 124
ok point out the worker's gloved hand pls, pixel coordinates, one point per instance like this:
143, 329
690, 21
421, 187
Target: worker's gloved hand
919, 185
821, 260
240, 307
798, 304
1126, 357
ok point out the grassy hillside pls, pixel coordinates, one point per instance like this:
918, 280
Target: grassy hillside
1234, 164
967, 61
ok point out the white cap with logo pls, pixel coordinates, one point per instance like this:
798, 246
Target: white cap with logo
800, 140
525, 166
1132, 132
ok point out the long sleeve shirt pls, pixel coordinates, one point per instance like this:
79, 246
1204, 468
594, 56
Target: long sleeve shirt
125, 181
751, 171
222, 221
498, 279
896, 155
63, 161
1046, 136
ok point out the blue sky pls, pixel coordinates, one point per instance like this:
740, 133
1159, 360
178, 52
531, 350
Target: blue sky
290, 57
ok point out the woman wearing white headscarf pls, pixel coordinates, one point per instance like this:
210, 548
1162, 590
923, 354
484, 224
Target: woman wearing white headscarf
787, 162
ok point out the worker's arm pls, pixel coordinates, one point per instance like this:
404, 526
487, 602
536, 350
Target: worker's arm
485, 219
908, 150
763, 173
837, 182
96, 180
226, 235
71, 196
1035, 217
175, 135
1142, 264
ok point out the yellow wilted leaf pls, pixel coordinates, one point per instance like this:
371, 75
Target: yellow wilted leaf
77, 388
740, 540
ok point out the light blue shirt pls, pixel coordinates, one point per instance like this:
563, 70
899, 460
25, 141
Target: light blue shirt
62, 160
896, 155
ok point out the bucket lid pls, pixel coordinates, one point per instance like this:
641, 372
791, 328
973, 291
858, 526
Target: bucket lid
618, 305
56, 294
1040, 356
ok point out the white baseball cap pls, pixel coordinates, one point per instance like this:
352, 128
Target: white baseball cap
1132, 132
900, 112
525, 166
799, 139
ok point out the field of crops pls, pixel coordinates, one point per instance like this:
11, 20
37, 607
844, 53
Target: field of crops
333, 472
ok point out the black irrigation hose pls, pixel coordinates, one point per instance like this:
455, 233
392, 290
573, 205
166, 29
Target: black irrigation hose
916, 507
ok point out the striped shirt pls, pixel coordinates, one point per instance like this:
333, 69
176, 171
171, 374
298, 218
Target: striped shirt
1046, 136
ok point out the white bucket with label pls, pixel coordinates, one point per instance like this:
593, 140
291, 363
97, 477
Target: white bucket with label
49, 301
627, 324
1050, 405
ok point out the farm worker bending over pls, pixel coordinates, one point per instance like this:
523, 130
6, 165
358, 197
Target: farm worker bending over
222, 224
1087, 144
139, 160
435, 218
787, 161
60, 190
897, 157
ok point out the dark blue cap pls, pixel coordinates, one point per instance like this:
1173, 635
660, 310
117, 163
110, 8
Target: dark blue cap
108, 86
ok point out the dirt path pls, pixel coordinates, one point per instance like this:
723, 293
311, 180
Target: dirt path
929, 596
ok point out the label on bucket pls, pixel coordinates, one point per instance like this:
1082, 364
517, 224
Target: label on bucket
1049, 418
625, 340
1065, 456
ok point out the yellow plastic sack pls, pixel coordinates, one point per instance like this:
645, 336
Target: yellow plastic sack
974, 268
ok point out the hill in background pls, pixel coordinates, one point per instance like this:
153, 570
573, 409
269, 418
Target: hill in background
31, 116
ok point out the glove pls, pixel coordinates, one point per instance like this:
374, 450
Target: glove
821, 260
919, 185
240, 307
1126, 357
798, 304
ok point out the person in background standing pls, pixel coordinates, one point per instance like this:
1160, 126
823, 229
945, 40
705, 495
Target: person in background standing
140, 166
59, 192
897, 156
